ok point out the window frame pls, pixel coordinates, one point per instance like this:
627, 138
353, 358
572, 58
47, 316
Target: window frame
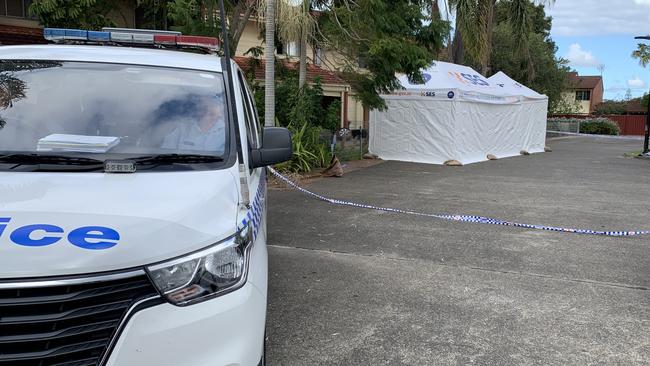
250, 113
24, 5
583, 95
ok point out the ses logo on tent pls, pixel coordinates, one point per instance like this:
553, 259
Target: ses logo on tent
469, 78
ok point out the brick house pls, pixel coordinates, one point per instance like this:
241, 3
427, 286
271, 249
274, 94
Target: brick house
585, 91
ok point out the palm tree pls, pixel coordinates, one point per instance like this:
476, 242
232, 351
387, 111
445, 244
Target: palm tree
295, 23
474, 26
269, 55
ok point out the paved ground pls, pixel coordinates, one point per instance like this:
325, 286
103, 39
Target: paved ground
359, 287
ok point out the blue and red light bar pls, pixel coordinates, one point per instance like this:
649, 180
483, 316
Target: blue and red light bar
132, 37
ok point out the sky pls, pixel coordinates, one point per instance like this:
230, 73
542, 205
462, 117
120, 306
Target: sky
590, 33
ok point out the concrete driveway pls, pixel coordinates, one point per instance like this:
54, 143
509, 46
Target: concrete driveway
360, 287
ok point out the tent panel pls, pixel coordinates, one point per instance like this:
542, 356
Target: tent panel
511, 86
413, 130
463, 82
501, 130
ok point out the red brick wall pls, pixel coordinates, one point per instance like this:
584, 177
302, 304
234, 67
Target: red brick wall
596, 96
12, 35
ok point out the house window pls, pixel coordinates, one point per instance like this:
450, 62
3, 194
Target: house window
15, 8
318, 56
362, 61
583, 94
291, 49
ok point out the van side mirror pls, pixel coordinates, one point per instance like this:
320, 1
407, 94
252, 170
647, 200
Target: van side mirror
276, 148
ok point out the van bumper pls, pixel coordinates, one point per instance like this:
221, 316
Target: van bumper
227, 330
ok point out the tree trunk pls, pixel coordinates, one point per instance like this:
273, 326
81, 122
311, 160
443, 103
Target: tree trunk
269, 55
435, 10
240, 17
489, 25
302, 72
302, 75
457, 51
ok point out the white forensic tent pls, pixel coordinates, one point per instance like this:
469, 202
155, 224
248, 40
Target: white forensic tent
457, 114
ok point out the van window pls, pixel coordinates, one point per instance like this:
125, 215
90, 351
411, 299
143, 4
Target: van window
250, 114
110, 109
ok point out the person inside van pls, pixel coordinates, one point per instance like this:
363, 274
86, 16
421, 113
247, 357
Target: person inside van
206, 133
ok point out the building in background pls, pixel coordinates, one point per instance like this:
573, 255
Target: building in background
585, 91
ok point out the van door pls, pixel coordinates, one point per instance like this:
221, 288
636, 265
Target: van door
256, 177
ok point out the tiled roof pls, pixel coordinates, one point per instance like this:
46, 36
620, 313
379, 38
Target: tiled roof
12, 35
313, 71
583, 82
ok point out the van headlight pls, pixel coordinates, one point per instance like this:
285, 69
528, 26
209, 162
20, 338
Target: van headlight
205, 274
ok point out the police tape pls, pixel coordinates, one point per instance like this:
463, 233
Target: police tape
454, 217
614, 137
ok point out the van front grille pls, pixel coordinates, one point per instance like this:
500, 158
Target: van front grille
65, 324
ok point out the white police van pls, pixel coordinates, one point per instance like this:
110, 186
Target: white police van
132, 203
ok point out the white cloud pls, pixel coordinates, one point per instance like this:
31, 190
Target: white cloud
636, 83
592, 18
578, 57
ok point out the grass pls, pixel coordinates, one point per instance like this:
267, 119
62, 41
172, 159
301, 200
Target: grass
633, 154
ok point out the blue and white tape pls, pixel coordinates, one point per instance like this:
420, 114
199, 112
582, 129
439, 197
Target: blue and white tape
613, 137
459, 218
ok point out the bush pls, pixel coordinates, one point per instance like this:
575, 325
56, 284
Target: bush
308, 149
599, 126
610, 107
302, 112
594, 126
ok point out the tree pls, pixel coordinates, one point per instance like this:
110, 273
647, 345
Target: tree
155, 13
628, 95
643, 54
201, 17
550, 76
475, 25
295, 23
386, 36
473, 19
83, 14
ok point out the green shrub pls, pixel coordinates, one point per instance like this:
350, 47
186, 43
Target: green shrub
599, 126
302, 112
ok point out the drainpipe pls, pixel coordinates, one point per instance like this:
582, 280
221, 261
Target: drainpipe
346, 121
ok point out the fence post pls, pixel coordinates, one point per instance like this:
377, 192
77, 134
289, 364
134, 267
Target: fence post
360, 143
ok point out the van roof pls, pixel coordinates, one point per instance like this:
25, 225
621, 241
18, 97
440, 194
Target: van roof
113, 54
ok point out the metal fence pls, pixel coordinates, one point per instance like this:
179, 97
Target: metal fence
563, 125
348, 144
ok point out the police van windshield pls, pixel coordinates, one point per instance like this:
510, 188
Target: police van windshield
104, 111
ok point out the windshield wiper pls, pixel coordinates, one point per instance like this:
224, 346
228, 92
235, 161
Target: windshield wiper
22, 158
175, 159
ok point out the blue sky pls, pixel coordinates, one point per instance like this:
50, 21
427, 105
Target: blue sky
590, 33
